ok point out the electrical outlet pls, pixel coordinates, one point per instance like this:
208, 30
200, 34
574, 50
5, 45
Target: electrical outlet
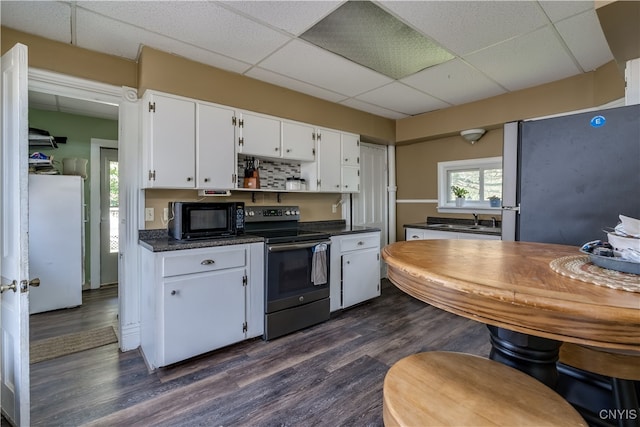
165, 214
148, 214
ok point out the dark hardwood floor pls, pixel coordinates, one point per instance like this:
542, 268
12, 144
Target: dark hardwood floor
327, 375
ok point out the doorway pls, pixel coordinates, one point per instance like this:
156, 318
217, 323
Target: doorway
109, 216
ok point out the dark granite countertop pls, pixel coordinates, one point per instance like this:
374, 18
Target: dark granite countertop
485, 226
336, 227
158, 241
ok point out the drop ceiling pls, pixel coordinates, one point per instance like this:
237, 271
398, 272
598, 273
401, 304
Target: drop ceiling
488, 48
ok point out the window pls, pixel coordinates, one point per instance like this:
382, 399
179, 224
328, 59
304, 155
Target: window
482, 178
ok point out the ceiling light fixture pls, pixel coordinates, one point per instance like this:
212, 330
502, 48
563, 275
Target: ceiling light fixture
472, 135
364, 33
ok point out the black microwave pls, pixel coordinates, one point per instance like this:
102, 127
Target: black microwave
200, 220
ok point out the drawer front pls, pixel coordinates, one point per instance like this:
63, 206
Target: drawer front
200, 261
413, 234
360, 241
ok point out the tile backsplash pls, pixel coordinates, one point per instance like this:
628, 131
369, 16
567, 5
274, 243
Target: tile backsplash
273, 173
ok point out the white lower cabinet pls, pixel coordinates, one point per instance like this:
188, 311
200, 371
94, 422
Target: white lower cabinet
422, 234
355, 269
198, 300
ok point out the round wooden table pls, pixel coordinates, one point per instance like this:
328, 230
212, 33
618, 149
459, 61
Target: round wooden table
529, 308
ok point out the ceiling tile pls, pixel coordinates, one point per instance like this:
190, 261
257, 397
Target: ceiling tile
557, 10
294, 17
202, 24
467, 26
585, 39
401, 98
293, 84
305, 62
534, 59
373, 109
454, 82
102, 34
52, 20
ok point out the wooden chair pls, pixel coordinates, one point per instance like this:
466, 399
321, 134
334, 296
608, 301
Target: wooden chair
455, 389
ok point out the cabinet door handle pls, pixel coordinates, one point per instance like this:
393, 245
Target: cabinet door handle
208, 262
189, 179
277, 149
174, 292
288, 150
206, 180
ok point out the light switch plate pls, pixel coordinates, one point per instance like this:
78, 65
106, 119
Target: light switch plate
149, 214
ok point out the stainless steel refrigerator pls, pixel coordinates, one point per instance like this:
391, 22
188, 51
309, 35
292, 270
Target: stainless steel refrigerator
566, 178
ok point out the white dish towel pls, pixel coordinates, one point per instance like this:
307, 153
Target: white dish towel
319, 264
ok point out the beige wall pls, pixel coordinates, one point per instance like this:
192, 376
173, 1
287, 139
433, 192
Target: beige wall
169, 73
71, 60
582, 91
417, 173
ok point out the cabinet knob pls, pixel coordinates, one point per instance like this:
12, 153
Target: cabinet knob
277, 149
189, 179
206, 180
337, 185
360, 243
288, 150
174, 292
346, 160
207, 262
348, 262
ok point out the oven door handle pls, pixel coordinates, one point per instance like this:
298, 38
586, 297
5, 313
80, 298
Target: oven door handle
279, 247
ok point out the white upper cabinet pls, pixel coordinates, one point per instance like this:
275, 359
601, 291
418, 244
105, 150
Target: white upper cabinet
329, 160
350, 171
215, 155
298, 141
260, 135
350, 150
169, 134
187, 143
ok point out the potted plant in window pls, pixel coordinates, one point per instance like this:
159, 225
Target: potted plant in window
494, 201
460, 194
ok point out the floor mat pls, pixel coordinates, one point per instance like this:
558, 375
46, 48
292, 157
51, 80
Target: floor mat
51, 348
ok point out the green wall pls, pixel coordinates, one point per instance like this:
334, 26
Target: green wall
79, 130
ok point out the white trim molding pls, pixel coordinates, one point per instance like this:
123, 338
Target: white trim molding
417, 201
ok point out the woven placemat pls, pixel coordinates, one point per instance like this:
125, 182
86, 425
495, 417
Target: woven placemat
581, 268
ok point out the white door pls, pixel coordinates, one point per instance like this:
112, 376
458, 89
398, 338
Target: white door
14, 262
109, 238
370, 204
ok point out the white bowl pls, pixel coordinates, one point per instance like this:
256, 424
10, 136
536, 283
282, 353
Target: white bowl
621, 242
630, 225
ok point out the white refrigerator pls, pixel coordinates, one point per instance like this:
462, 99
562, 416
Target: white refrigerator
56, 241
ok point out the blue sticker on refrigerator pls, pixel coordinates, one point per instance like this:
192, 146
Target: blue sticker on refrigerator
598, 121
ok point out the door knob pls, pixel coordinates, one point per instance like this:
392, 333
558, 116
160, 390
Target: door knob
33, 282
13, 286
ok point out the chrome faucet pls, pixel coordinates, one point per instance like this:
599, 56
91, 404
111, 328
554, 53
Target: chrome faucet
493, 221
475, 219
